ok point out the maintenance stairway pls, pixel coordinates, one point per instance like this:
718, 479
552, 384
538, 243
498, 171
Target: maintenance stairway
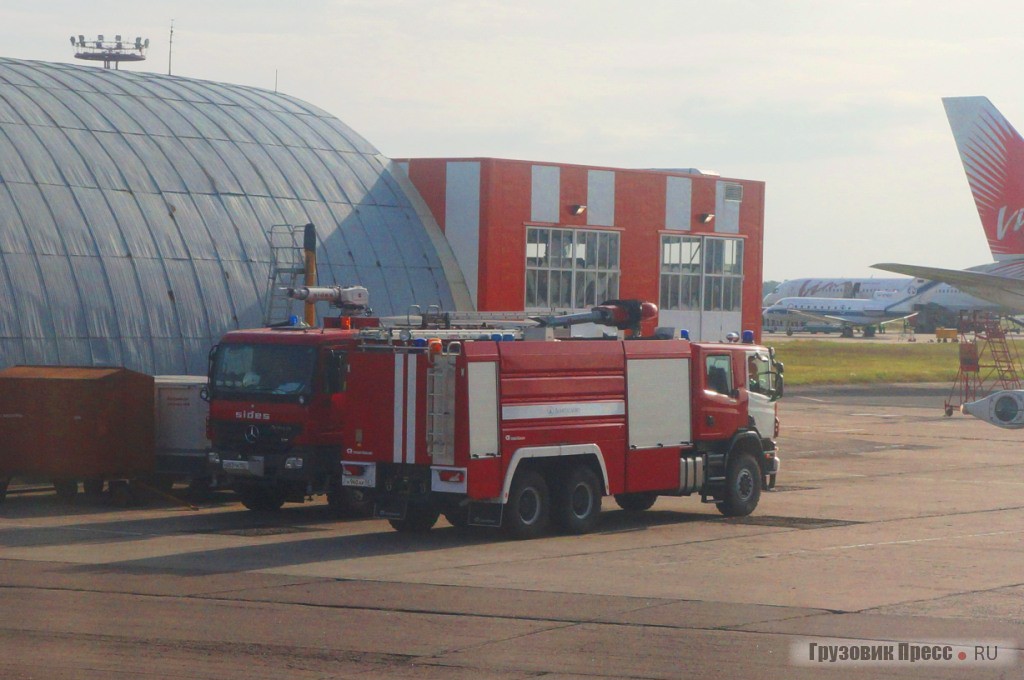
988, 362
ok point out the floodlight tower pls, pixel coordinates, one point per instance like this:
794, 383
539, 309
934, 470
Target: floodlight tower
109, 51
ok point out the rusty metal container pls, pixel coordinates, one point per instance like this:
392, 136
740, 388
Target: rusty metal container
67, 423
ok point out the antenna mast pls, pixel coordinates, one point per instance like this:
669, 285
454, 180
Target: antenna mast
170, 48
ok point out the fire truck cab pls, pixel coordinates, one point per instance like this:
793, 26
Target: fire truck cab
277, 402
522, 434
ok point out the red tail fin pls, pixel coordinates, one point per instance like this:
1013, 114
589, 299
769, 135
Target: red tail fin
993, 157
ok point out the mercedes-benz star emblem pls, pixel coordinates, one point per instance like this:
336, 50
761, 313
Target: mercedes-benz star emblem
252, 435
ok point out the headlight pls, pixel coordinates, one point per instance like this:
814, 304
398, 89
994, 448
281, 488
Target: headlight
213, 457
293, 464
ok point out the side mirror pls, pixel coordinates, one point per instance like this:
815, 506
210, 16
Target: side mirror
204, 393
780, 387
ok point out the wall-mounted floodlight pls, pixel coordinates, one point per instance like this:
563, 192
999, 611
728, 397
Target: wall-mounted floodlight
705, 218
577, 209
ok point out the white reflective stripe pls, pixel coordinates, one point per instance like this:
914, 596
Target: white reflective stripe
572, 409
399, 384
410, 409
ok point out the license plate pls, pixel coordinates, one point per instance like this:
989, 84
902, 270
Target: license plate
356, 481
253, 466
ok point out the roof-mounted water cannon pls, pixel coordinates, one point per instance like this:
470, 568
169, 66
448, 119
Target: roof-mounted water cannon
349, 299
625, 315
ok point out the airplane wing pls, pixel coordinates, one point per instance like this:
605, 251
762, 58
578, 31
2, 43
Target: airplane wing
1002, 290
850, 321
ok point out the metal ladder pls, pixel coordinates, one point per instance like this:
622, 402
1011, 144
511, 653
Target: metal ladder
287, 270
987, 361
441, 410
1004, 359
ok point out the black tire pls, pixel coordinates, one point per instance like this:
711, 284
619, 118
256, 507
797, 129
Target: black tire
742, 486
122, 493
4, 483
636, 502
164, 483
350, 502
200, 488
66, 489
261, 499
457, 517
576, 503
419, 519
527, 513
93, 487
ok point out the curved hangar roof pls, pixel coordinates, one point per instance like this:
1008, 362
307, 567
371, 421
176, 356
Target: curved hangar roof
134, 211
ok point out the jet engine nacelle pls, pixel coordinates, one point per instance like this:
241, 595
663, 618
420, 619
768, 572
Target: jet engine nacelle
1002, 409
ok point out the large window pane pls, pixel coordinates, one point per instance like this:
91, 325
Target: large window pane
570, 268
701, 273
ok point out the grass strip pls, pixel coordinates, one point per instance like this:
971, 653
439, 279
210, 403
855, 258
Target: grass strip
824, 362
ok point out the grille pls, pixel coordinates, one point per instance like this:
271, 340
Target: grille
236, 436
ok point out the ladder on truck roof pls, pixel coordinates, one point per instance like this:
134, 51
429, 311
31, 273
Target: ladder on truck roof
391, 333
287, 270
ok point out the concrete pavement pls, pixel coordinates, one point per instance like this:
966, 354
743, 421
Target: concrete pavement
891, 522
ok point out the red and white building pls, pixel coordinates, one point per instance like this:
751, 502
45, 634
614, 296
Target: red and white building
540, 236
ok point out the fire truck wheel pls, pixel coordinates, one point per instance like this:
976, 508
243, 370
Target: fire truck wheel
4, 481
66, 489
350, 502
457, 517
636, 502
527, 512
419, 519
93, 487
261, 499
742, 486
576, 504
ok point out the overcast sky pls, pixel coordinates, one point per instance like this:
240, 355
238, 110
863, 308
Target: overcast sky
835, 105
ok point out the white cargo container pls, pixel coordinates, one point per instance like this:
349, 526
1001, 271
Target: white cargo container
182, 448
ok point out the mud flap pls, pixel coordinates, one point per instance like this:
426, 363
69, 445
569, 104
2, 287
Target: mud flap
391, 507
485, 514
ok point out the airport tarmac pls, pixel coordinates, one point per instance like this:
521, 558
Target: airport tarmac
891, 524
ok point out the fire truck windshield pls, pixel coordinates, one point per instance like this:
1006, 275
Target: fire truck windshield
281, 372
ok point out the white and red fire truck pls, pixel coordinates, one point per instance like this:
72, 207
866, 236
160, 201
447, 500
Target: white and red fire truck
494, 430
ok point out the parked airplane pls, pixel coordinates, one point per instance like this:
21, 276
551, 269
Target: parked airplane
884, 307
992, 153
833, 288
938, 304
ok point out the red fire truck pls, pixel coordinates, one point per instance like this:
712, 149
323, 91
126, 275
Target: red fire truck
277, 400
494, 430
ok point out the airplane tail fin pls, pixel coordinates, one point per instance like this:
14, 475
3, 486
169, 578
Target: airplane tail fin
992, 153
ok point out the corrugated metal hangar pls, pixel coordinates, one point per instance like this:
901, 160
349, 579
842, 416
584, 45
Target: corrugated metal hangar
136, 213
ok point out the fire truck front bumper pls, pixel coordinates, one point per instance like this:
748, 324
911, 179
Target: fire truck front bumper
295, 465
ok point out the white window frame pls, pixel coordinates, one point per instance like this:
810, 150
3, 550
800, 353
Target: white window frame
701, 273
587, 272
